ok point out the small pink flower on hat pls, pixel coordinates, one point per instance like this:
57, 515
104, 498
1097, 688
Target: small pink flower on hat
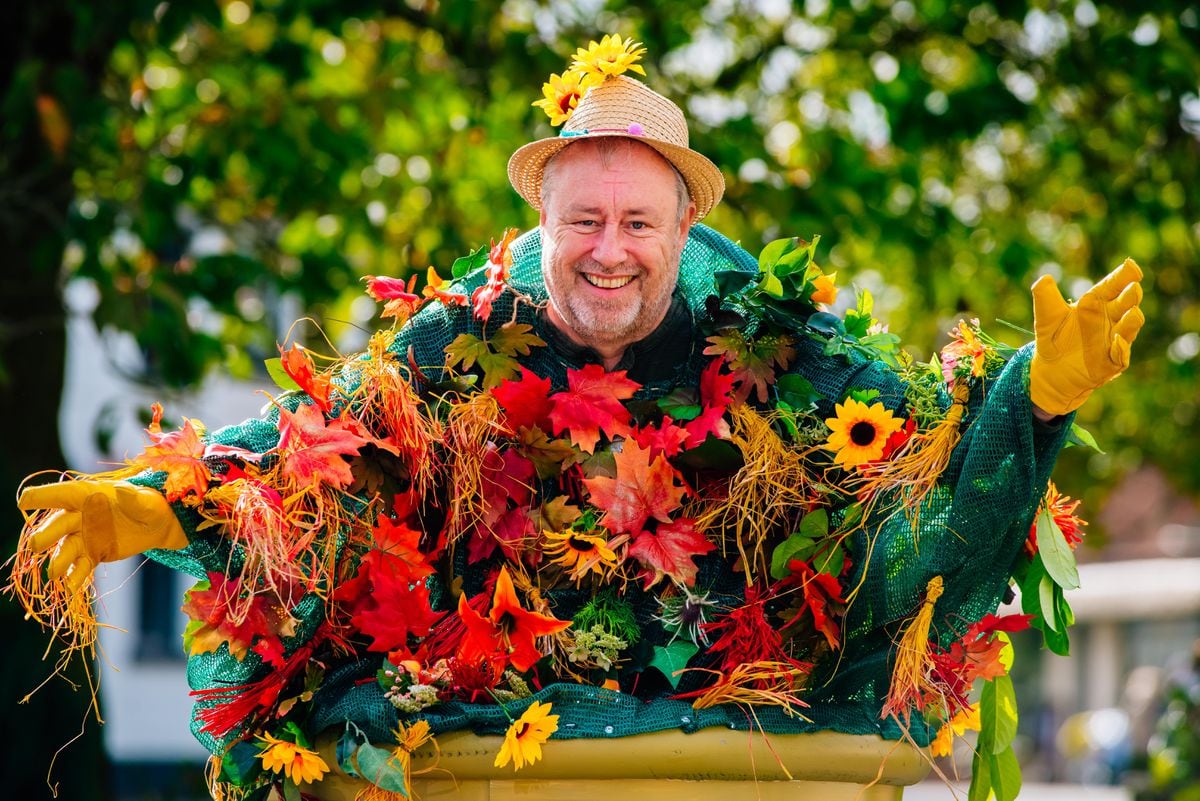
612, 56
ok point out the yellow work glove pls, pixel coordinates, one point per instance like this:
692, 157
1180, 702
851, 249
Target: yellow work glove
99, 521
1083, 345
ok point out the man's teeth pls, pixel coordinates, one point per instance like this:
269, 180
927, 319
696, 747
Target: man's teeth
608, 282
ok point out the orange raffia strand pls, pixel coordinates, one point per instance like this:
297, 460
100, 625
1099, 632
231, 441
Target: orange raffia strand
471, 425
910, 676
386, 403
914, 471
757, 684
772, 488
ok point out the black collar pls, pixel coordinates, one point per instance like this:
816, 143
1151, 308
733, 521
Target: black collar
658, 357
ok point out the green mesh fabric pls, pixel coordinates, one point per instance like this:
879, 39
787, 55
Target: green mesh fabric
971, 533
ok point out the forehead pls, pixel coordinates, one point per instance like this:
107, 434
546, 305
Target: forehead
617, 169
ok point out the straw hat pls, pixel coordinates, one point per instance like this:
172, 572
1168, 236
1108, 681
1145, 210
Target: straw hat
626, 108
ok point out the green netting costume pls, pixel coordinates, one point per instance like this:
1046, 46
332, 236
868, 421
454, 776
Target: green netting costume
784, 606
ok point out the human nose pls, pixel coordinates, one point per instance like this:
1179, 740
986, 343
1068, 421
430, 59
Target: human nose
610, 249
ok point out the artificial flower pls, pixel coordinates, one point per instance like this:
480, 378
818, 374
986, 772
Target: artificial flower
436, 286
409, 739
824, 289
580, 553
563, 93
1062, 509
508, 635
860, 432
300, 764
965, 354
524, 738
966, 719
612, 56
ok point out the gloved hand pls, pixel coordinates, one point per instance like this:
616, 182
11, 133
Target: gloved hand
1083, 345
99, 521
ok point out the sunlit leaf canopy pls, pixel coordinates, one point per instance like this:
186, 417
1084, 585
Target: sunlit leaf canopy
250, 162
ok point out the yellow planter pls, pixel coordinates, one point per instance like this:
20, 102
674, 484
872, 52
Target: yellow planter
664, 766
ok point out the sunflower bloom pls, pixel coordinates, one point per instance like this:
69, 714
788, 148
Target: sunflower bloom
860, 432
824, 289
300, 764
562, 93
966, 718
524, 738
612, 56
580, 553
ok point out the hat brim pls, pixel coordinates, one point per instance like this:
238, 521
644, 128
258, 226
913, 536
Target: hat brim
704, 181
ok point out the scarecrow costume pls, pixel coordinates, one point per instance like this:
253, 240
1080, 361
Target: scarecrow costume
766, 517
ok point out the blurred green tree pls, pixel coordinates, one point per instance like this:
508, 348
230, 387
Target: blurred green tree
213, 165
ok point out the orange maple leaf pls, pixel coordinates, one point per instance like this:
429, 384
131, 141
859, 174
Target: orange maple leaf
312, 451
299, 366
592, 404
178, 454
211, 606
643, 489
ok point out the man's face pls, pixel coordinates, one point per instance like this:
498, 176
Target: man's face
611, 239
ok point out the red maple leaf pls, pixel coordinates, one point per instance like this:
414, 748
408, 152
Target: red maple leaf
396, 552
820, 591
668, 551
506, 481
178, 454
509, 633
666, 438
592, 404
392, 610
525, 402
716, 387
399, 300
312, 451
513, 532
642, 489
299, 366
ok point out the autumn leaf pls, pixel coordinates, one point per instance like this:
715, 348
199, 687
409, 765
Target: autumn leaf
549, 456
299, 366
220, 614
396, 552
515, 339
821, 592
526, 402
591, 404
556, 514
668, 551
397, 296
643, 489
752, 362
666, 439
435, 287
179, 454
392, 610
509, 632
312, 451
468, 350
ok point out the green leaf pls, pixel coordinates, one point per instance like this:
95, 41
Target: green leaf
815, 524
981, 777
241, 764
772, 252
1078, 435
998, 714
377, 766
826, 323
670, 658
832, 562
771, 285
797, 391
1005, 772
466, 264
513, 339
279, 376
797, 546
290, 791
681, 404
1056, 554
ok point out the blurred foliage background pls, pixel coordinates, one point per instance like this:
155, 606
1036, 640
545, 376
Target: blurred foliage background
218, 167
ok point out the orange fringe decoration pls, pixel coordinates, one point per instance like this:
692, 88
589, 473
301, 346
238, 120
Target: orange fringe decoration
772, 489
756, 683
910, 676
915, 469
471, 425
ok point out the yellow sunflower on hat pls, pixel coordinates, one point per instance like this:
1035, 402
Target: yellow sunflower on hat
612, 56
859, 432
562, 94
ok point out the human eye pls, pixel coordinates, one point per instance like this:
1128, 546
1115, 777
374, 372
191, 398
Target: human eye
638, 225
